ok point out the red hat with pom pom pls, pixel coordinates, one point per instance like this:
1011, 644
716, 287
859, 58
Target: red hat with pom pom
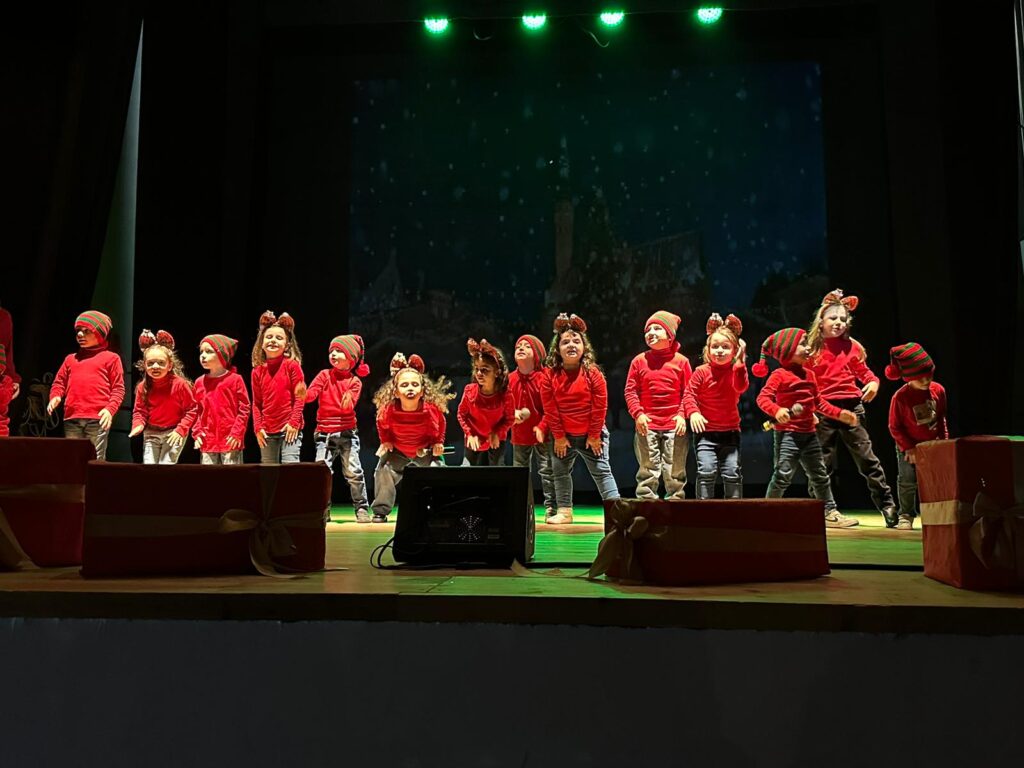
909, 362
781, 345
354, 349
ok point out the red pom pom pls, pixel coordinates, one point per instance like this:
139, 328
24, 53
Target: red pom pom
892, 372
363, 370
759, 369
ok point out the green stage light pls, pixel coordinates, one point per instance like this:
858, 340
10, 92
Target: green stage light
534, 21
612, 18
436, 25
709, 15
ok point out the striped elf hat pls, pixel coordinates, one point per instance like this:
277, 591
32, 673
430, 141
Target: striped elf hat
3, 359
909, 362
94, 320
781, 345
223, 346
536, 346
354, 349
666, 320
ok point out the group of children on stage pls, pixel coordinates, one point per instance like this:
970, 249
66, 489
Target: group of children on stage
551, 405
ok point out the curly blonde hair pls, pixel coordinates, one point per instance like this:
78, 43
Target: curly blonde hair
587, 360
437, 393
259, 357
177, 367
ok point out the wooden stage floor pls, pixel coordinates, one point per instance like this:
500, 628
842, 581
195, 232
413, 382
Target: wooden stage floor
877, 586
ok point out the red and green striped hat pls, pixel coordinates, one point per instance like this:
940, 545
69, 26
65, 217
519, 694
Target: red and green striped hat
352, 345
536, 346
223, 346
666, 320
3, 358
95, 320
909, 362
781, 345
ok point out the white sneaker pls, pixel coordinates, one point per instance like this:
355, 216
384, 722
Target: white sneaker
906, 523
562, 517
836, 519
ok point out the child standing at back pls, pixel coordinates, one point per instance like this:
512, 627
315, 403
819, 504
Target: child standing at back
223, 403
485, 411
90, 383
278, 390
165, 407
529, 434
337, 434
655, 386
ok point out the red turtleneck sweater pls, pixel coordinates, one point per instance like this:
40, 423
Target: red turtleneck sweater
6, 393
481, 414
7, 339
916, 415
838, 367
222, 411
714, 392
575, 402
655, 386
787, 386
338, 392
524, 389
169, 404
89, 381
409, 431
274, 404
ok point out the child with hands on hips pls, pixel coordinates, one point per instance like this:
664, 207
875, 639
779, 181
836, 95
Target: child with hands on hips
165, 407
485, 411
529, 432
712, 405
222, 403
90, 383
278, 390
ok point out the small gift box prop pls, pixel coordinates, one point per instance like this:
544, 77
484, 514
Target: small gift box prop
971, 492
142, 520
42, 500
675, 543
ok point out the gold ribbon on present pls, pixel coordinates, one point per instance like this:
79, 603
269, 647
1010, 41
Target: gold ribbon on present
269, 540
997, 534
12, 556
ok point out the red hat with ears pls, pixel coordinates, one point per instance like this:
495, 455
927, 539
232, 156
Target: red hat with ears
286, 321
352, 346
781, 345
399, 363
731, 322
147, 339
836, 297
572, 322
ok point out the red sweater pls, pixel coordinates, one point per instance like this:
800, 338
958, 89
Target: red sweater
655, 386
222, 411
409, 431
575, 402
7, 339
714, 392
916, 415
481, 414
89, 381
790, 385
838, 367
338, 392
168, 404
274, 404
6, 393
524, 391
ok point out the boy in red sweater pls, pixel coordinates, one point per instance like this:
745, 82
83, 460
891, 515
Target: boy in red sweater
165, 408
791, 398
655, 386
278, 390
485, 411
529, 433
222, 401
337, 436
917, 412
90, 383
6, 393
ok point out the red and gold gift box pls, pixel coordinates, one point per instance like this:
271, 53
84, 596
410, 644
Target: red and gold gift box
143, 520
42, 500
971, 492
677, 543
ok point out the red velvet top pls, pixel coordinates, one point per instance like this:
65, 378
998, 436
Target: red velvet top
787, 386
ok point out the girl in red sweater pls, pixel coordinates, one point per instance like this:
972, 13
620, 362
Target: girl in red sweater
337, 437
529, 431
791, 398
411, 425
575, 397
165, 407
222, 401
278, 390
6, 393
712, 405
485, 411
844, 379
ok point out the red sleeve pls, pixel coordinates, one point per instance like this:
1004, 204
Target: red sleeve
60, 381
903, 441
598, 402
740, 379
257, 399
200, 406
552, 416
687, 375
766, 397
356, 389
696, 383
140, 411
821, 405
7, 339
440, 426
508, 417
462, 414
297, 380
859, 366
632, 390
314, 390
116, 374
189, 406
940, 411
242, 418
384, 426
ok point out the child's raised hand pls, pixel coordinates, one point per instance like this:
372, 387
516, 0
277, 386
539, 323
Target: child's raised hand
105, 419
596, 445
741, 354
233, 442
539, 434
848, 417
437, 449
493, 440
136, 430
52, 405
698, 423
641, 424
473, 442
174, 440
680, 424
384, 449
868, 391
782, 416
261, 438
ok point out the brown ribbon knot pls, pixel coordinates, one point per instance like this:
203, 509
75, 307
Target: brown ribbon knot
618, 544
997, 534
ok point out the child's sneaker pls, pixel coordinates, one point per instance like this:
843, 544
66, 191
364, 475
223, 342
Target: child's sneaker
362, 516
562, 517
378, 518
890, 517
836, 519
906, 523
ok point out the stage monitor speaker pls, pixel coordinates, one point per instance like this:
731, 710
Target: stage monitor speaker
464, 515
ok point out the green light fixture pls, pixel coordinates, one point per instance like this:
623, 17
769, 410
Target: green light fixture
436, 25
709, 15
612, 18
534, 21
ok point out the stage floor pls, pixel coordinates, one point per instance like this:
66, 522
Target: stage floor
877, 585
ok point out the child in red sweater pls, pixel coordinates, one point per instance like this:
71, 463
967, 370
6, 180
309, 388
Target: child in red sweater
712, 405
844, 379
165, 407
529, 431
917, 412
655, 386
411, 425
222, 401
485, 411
278, 390
791, 398
6, 393
337, 436
90, 383
575, 397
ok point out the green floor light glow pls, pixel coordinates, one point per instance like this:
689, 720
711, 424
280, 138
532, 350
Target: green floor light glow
436, 26
612, 18
534, 21
709, 15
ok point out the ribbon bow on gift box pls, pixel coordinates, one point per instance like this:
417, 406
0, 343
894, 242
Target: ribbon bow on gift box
617, 544
997, 534
12, 556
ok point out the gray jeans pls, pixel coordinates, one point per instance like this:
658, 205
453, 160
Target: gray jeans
802, 449
718, 453
661, 456
222, 457
522, 456
90, 430
277, 451
858, 443
157, 449
906, 484
599, 467
388, 475
331, 446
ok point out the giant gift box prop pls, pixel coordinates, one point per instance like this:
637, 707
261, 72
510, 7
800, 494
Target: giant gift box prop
971, 492
205, 519
42, 500
675, 543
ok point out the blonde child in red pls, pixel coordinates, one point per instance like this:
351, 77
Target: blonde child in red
278, 390
529, 431
411, 425
838, 362
917, 412
337, 435
6, 393
165, 407
222, 403
712, 405
90, 383
485, 411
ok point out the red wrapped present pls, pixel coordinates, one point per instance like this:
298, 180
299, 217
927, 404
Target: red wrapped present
675, 543
142, 520
42, 500
971, 492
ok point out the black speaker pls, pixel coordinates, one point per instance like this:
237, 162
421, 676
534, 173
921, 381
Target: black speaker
464, 515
